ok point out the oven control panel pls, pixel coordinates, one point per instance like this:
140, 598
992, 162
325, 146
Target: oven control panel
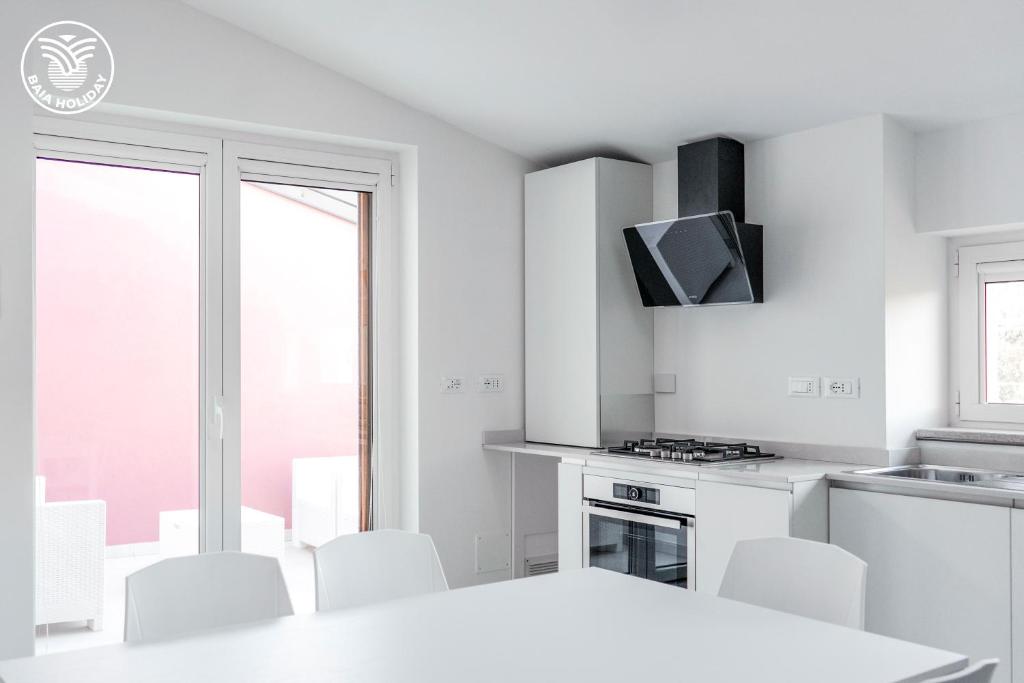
641, 494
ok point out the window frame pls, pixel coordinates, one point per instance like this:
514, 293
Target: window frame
976, 266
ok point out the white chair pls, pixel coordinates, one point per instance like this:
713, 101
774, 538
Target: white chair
980, 672
71, 538
807, 578
373, 566
185, 594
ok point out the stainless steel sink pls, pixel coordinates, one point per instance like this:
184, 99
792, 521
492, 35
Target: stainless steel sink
952, 475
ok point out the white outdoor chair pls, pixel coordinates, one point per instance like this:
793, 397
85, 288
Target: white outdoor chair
324, 496
373, 566
71, 538
186, 594
979, 672
806, 578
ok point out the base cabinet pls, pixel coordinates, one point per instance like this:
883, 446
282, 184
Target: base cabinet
939, 572
1017, 570
570, 529
727, 513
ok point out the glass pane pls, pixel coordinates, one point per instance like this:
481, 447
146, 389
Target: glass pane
638, 549
301, 373
117, 388
1004, 342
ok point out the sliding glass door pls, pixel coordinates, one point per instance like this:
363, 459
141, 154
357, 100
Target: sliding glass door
204, 343
120, 377
303, 333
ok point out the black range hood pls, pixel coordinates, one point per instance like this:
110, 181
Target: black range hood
708, 256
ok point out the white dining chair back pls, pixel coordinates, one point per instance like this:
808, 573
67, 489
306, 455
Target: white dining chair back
811, 579
185, 594
373, 566
979, 672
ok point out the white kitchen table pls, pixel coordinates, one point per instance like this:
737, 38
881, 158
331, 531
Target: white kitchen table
585, 625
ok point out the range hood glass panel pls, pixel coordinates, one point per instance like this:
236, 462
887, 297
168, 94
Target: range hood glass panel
689, 261
695, 255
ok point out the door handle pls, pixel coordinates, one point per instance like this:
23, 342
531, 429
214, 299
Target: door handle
217, 418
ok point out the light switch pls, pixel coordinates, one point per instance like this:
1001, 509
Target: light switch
804, 387
491, 384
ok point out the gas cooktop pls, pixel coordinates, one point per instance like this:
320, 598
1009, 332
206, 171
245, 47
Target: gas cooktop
691, 451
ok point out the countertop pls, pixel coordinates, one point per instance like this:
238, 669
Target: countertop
785, 471
928, 489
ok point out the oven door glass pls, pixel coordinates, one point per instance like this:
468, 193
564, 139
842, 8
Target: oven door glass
646, 546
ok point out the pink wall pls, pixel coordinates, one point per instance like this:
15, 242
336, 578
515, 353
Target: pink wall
300, 342
117, 341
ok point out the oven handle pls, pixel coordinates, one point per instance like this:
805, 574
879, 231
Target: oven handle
666, 522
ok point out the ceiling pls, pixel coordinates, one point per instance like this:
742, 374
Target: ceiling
555, 80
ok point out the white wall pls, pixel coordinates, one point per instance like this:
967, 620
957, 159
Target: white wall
850, 291
16, 461
916, 322
461, 234
970, 176
817, 193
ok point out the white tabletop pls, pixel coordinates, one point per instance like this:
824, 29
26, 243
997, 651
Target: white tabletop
586, 625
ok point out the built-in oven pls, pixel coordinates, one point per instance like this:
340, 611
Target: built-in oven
639, 528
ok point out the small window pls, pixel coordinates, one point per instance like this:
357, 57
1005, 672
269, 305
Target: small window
991, 332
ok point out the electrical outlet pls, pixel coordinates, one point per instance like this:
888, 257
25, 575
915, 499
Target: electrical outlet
452, 385
491, 384
841, 387
804, 387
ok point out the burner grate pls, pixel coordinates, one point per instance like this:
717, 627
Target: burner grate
691, 451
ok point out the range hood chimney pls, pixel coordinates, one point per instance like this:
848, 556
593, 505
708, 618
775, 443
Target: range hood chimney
708, 255
711, 178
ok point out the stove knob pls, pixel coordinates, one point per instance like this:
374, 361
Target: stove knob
634, 493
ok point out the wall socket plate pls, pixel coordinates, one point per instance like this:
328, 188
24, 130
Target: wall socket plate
840, 387
804, 387
493, 552
452, 385
491, 384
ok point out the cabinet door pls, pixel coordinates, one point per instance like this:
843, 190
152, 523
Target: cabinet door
727, 513
938, 571
562, 389
1017, 605
570, 516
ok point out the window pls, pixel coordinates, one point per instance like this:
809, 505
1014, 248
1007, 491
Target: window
990, 287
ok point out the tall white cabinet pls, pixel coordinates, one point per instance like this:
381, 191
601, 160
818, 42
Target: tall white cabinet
589, 341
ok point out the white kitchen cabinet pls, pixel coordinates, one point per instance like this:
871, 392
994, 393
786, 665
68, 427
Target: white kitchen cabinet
1017, 605
727, 513
938, 570
570, 524
589, 350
